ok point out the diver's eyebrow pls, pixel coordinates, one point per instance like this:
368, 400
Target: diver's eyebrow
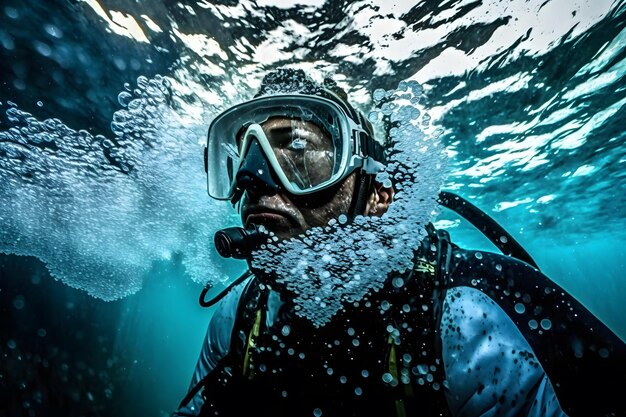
280, 129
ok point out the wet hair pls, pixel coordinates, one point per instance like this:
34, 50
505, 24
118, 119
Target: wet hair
290, 80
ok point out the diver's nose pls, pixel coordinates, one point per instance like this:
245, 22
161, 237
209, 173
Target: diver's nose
255, 174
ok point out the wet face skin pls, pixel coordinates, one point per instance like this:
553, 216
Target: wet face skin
309, 149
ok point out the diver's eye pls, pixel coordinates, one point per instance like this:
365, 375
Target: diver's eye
297, 144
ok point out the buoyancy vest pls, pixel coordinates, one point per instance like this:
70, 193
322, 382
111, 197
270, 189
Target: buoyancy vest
378, 357
382, 356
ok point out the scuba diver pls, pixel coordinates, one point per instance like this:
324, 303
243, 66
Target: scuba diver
467, 334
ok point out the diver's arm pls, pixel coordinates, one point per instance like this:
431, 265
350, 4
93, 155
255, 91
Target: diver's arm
215, 347
490, 367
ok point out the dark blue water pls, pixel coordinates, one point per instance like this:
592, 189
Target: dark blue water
104, 108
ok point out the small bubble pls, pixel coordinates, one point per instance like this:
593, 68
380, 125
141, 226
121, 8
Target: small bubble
53, 31
40, 103
387, 377
124, 98
498, 267
604, 353
421, 369
520, 308
365, 373
343, 379
19, 302
41, 333
379, 94
355, 342
317, 412
330, 371
11, 344
503, 239
358, 391
478, 255
286, 330
11, 12
546, 324
398, 282
373, 116
343, 219
533, 324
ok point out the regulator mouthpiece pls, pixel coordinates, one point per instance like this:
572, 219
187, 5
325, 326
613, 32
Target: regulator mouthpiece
237, 242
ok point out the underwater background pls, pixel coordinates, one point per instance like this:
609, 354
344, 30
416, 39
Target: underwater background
105, 225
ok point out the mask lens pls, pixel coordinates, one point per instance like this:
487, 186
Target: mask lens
307, 138
304, 150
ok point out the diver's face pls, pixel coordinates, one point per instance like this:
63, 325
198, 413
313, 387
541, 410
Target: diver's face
304, 147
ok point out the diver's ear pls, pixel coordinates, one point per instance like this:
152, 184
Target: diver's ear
379, 200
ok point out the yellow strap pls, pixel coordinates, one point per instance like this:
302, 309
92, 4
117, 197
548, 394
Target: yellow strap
248, 368
422, 265
393, 370
393, 366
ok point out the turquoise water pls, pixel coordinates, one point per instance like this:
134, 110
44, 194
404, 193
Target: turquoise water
105, 105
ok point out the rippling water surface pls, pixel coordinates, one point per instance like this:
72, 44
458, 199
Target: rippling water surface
105, 106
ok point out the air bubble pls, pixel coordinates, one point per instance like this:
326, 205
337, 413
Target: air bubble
398, 282
379, 94
520, 308
19, 302
546, 324
124, 98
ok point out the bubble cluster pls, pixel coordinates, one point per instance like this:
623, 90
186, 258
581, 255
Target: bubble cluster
367, 250
99, 210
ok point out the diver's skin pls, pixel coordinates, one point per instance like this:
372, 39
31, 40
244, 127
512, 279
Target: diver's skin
483, 342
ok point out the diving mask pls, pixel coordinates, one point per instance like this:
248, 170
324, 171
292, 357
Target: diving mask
301, 143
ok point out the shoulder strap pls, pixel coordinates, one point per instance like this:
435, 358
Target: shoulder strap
226, 361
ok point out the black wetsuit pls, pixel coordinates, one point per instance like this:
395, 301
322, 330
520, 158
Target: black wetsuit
468, 333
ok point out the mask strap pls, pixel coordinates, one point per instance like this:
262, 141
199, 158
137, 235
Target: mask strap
362, 190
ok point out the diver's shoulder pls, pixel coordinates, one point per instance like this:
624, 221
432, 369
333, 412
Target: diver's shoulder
227, 307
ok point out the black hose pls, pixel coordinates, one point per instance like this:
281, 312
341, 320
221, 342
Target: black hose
488, 226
